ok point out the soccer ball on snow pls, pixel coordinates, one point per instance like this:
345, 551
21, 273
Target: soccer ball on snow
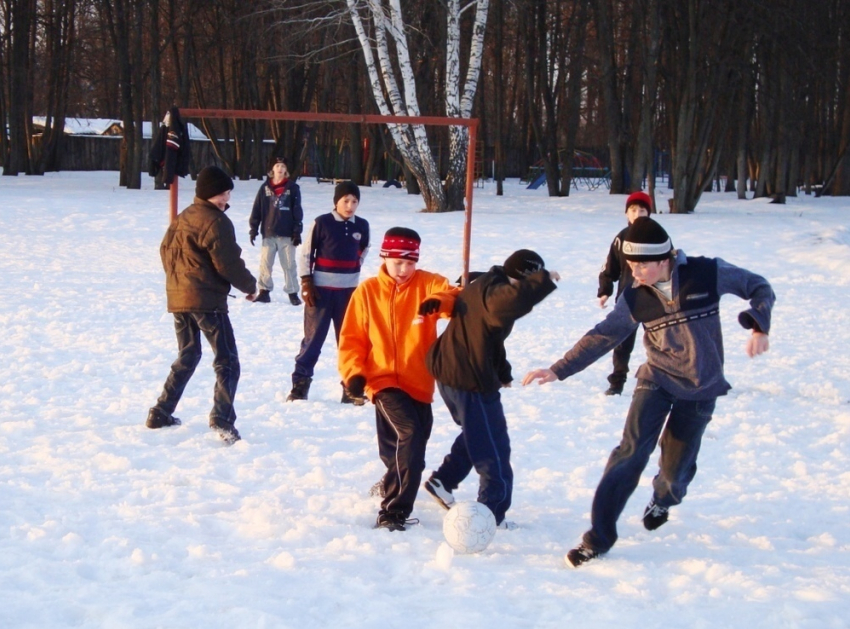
469, 527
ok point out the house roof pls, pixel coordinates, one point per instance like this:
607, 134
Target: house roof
99, 126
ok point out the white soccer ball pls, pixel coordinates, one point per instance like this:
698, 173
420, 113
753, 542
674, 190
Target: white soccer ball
469, 527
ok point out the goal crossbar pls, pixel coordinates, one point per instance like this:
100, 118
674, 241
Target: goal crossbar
255, 114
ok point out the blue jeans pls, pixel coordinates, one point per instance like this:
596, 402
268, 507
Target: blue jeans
680, 442
483, 444
330, 307
218, 331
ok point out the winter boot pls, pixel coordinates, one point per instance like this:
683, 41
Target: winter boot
300, 389
227, 433
263, 297
158, 419
294, 299
654, 515
580, 554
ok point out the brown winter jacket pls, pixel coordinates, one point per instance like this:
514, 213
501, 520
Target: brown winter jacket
201, 260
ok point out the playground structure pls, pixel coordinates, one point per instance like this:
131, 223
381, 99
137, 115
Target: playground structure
253, 114
587, 170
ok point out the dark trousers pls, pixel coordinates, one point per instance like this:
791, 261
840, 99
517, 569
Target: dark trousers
404, 427
483, 443
680, 443
330, 307
622, 353
218, 331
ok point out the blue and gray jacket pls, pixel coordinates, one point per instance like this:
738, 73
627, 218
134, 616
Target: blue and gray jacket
682, 336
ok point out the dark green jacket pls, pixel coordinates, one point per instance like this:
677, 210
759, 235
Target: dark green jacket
201, 260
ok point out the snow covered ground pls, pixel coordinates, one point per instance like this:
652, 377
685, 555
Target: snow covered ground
104, 523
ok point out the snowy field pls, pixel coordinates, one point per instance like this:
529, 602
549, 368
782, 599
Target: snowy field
104, 523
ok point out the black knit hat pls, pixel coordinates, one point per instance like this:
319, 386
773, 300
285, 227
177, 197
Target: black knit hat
522, 263
212, 181
646, 241
344, 188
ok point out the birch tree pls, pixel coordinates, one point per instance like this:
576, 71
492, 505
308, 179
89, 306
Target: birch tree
381, 31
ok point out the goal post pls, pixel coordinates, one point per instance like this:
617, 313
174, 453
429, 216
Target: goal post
255, 114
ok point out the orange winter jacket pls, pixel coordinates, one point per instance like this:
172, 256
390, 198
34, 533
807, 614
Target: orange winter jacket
383, 337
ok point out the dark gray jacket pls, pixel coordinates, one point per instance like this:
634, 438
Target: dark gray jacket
201, 260
682, 337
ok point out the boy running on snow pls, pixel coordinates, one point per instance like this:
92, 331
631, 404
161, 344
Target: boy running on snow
382, 347
676, 298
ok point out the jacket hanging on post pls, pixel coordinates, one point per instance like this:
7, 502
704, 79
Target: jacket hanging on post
170, 152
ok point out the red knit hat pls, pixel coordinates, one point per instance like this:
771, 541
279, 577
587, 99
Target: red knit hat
401, 242
639, 198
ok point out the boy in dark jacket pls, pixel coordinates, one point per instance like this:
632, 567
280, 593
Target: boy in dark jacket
617, 270
201, 260
469, 363
277, 217
333, 252
676, 298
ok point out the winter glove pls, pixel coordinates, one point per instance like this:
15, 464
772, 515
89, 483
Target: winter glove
252, 236
429, 306
296, 240
308, 291
357, 386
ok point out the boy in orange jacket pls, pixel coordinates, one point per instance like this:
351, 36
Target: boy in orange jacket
386, 333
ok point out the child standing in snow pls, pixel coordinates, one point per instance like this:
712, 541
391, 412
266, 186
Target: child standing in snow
469, 362
277, 218
676, 298
331, 256
201, 260
382, 345
617, 270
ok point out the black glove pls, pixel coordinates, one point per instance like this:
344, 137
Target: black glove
252, 236
308, 291
296, 240
429, 306
357, 386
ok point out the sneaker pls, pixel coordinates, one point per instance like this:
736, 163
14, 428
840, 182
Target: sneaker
505, 525
654, 515
300, 389
348, 398
228, 434
439, 493
294, 299
391, 520
615, 389
158, 419
580, 554
377, 490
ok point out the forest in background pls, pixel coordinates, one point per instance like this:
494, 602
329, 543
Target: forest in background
749, 95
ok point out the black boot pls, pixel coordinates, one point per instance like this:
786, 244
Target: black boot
300, 389
262, 297
158, 419
294, 299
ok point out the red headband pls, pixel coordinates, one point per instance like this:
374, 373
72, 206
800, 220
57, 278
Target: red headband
400, 247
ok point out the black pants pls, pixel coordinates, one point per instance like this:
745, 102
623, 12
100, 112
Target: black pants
404, 427
219, 333
622, 353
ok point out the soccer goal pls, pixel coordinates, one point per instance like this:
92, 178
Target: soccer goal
255, 114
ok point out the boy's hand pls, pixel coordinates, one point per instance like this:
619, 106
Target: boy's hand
544, 375
296, 240
603, 300
555, 276
252, 236
308, 291
357, 386
759, 343
429, 306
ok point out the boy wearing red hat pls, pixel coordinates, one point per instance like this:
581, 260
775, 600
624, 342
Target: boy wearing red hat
617, 270
382, 347
676, 298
